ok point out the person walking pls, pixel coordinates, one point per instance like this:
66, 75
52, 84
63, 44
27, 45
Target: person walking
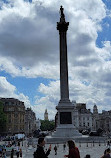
12, 153
0, 153
55, 149
73, 150
107, 155
40, 153
4, 153
108, 144
104, 153
64, 146
20, 152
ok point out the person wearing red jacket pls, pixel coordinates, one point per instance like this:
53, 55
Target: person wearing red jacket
73, 150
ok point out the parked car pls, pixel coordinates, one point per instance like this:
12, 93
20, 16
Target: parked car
85, 132
36, 133
43, 134
93, 133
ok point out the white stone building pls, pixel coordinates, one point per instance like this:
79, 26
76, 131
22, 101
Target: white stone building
85, 119
38, 124
82, 117
30, 121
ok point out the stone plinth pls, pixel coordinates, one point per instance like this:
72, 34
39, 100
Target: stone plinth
65, 129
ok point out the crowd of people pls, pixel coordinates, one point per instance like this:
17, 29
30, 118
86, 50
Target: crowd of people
41, 152
73, 150
15, 150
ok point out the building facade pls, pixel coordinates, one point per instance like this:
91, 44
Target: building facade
104, 121
30, 121
15, 112
19, 119
38, 124
84, 119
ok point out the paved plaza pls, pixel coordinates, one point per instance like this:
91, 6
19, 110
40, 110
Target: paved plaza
95, 150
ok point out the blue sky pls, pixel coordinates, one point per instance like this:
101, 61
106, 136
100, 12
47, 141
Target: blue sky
29, 52
28, 86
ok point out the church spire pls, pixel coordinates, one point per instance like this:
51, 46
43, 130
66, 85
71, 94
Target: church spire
46, 115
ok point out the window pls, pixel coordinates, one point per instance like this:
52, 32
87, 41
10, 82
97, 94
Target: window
9, 120
15, 128
16, 115
6, 103
9, 109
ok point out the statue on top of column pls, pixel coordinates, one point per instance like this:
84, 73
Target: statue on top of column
62, 16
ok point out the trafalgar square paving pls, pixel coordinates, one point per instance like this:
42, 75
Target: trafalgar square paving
94, 148
95, 151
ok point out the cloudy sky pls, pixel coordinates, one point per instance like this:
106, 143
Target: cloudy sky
29, 52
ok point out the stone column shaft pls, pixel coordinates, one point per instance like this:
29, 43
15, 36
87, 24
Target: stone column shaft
62, 26
64, 87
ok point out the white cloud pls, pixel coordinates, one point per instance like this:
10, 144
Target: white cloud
46, 70
42, 104
29, 47
81, 91
8, 90
28, 30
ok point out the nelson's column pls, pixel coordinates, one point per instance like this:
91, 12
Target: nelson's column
65, 127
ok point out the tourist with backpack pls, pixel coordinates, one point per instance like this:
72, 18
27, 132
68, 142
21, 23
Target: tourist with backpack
40, 153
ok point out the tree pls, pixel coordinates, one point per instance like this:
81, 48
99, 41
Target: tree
47, 125
3, 119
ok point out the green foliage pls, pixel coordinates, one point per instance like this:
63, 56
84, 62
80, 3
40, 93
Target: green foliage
47, 125
3, 119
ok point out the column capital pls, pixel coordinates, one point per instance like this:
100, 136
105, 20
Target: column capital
62, 26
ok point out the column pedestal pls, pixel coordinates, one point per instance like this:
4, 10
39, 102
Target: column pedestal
65, 129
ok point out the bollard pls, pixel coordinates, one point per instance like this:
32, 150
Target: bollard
79, 144
99, 143
87, 144
104, 143
93, 143
22, 143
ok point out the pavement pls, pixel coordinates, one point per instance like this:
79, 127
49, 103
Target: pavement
96, 150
